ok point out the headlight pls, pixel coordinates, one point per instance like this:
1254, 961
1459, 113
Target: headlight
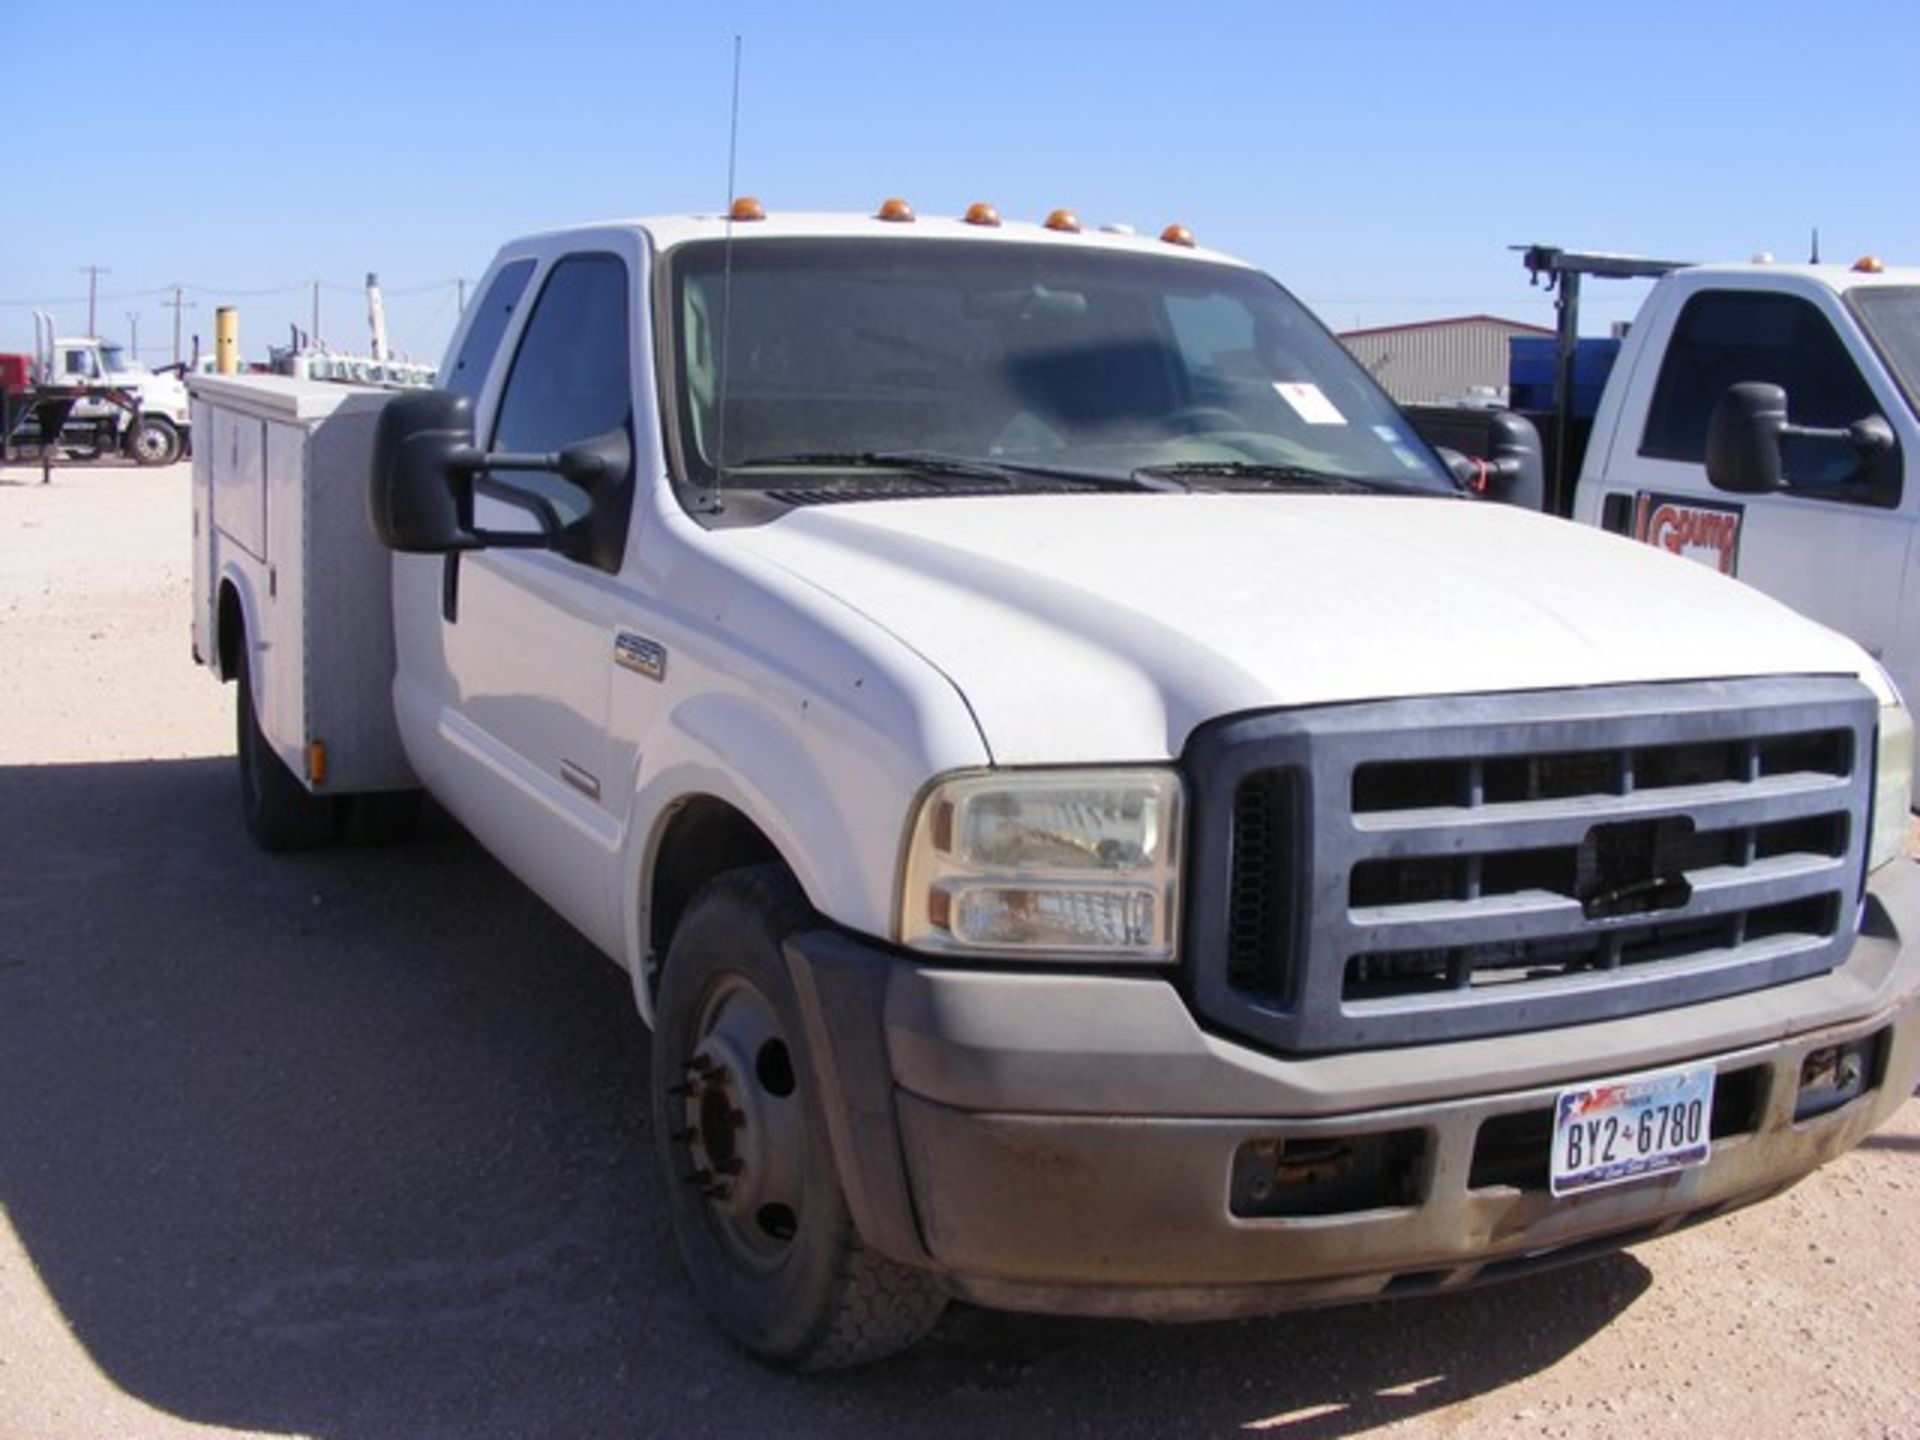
1061, 864
1892, 786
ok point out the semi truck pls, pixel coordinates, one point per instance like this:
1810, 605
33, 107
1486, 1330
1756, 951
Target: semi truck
88, 395
1098, 819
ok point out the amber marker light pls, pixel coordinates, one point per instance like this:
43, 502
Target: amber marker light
981, 213
894, 209
1064, 220
746, 208
1178, 235
317, 763
1868, 265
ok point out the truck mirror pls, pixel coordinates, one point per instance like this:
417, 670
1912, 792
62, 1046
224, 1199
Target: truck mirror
599, 464
1512, 470
1743, 439
423, 466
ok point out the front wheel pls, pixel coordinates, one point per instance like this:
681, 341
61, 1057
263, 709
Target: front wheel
751, 1186
154, 441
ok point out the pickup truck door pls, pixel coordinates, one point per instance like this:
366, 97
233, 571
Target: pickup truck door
1838, 556
528, 636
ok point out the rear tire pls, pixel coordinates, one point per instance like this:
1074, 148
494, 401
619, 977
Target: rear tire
752, 1188
153, 441
281, 813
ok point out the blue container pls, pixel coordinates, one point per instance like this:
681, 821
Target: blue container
1530, 373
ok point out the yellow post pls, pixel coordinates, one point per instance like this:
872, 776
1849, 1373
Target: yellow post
226, 340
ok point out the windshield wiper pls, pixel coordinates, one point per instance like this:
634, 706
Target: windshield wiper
1263, 475
936, 465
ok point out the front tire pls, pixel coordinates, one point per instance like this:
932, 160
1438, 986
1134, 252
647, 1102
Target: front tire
281, 813
754, 1196
154, 441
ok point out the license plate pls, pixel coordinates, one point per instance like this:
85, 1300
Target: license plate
1638, 1126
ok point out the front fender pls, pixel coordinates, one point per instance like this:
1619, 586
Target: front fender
733, 749
833, 803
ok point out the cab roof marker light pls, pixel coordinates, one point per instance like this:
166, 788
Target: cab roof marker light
896, 210
746, 208
1868, 265
1178, 235
1064, 221
981, 213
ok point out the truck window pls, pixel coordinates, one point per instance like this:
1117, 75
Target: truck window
490, 317
1727, 337
570, 380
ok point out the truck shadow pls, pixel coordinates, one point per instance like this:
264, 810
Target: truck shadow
354, 1144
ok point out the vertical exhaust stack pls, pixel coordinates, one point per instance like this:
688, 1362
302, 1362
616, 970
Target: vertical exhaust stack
376, 319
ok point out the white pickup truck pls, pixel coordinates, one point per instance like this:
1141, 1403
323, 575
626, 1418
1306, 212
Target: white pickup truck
1812, 491
1097, 820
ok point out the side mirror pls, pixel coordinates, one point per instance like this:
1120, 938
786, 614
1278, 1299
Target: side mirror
424, 462
1743, 439
1512, 471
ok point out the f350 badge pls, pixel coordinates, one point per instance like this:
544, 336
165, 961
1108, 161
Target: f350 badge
640, 655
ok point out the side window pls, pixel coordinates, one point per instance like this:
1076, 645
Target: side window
571, 382
1728, 337
490, 317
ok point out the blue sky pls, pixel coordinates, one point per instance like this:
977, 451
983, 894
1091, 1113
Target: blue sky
1379, 158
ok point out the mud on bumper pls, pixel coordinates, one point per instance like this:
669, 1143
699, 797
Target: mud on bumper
1076, 1144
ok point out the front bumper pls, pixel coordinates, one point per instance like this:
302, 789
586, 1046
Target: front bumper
1077, 1144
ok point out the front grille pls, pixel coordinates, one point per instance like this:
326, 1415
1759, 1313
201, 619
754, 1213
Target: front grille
1444, 868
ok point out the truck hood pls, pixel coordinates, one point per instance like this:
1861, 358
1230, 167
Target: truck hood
1081, 627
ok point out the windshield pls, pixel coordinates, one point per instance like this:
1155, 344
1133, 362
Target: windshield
1028, 358
1891, 315
118, 362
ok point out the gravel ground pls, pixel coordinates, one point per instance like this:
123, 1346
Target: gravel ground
353, 1145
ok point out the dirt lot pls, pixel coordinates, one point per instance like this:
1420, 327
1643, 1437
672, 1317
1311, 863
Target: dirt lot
353, 1145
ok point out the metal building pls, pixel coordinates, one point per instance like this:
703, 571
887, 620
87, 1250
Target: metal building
1439, 360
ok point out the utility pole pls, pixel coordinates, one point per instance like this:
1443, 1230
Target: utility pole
93, 274
177, 305
313, 338
133, 324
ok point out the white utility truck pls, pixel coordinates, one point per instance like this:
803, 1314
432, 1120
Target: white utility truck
1803, 481
1098, 821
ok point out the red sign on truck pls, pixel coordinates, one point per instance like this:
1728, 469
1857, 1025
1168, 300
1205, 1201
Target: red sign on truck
1698, 529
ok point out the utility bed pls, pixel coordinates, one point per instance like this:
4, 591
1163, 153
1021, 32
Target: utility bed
280, 530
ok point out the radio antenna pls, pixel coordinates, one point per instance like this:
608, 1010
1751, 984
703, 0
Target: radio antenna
719, 466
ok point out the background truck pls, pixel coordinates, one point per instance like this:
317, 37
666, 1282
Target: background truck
1812, 493
1098, 821
88, 395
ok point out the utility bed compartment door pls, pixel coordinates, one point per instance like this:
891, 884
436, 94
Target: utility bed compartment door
237, 453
